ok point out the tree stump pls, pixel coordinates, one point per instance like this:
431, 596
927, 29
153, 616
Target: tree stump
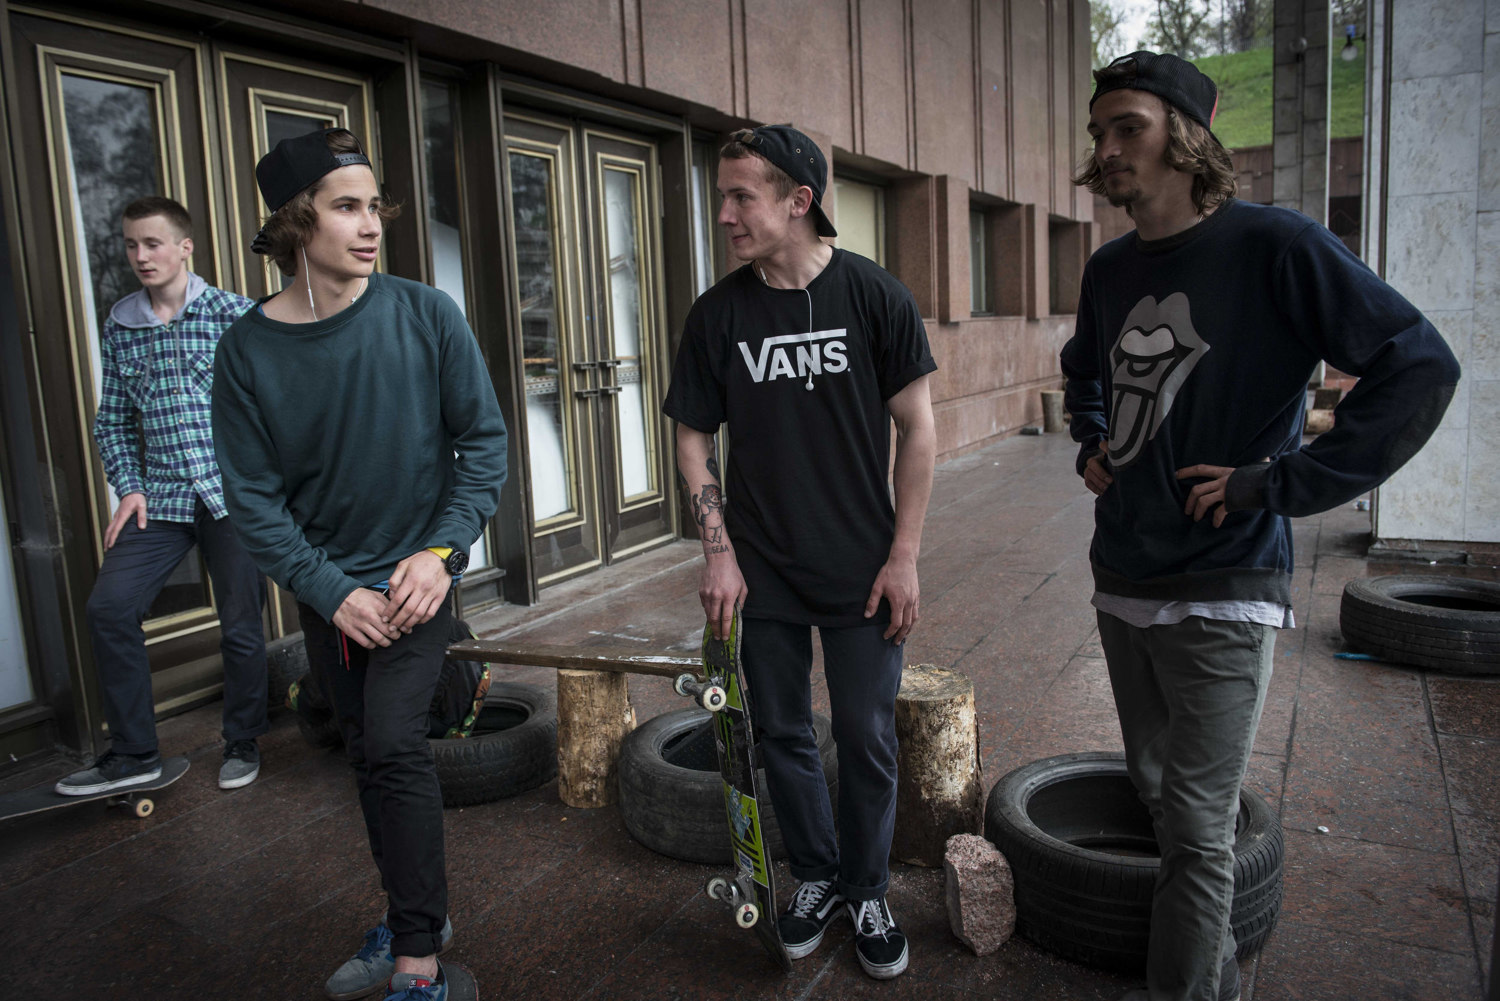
593, 715
938, 789
1052, 410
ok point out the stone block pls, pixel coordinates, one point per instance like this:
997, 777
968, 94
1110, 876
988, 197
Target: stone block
1434, 128
1430, 253
981, 893
1436, 38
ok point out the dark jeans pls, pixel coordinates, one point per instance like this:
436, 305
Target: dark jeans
863, 672
380, 698
135, 570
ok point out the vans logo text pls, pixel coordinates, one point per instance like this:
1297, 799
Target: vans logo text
798, 356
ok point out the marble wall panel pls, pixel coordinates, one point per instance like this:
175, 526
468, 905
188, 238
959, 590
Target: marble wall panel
587, 34
1457, 328
946, 138
1434, 134
1425, 499
994, 99
797, 66
1437, 38
1430, 257
1031, 122
883, 71
1484, 353
703, 69
1482, 502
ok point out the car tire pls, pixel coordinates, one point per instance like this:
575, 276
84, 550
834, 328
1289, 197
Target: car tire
678, 810
513, 747
1082, 852
1449, 624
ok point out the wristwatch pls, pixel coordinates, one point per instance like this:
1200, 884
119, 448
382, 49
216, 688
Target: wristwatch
455, 561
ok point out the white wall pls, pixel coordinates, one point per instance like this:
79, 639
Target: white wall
1441, 233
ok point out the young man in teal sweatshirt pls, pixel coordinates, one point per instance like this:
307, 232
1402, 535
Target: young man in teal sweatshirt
363, 451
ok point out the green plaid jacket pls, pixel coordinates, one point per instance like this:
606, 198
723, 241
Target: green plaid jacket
157, 385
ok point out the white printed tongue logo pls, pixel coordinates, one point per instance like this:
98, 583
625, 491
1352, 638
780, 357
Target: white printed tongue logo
809, 379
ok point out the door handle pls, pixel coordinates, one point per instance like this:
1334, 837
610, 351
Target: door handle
608, 390
585, 393
584, 366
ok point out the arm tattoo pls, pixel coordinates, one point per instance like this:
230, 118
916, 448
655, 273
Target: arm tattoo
708, 511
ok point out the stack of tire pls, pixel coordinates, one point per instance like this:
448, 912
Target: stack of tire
1442, 623
672, 795
1084, 858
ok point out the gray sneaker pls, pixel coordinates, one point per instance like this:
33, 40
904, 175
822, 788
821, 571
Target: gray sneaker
370, 969
111, 771
241, 764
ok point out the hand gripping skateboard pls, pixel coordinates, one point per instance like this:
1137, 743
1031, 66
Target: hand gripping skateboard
751, 891
40, 798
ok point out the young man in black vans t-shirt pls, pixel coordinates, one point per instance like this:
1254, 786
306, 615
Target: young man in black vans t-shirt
807, 353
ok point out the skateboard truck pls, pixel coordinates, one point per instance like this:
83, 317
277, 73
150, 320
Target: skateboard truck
706, 694
727, 891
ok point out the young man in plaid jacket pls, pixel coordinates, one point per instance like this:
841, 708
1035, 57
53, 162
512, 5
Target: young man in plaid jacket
157, 356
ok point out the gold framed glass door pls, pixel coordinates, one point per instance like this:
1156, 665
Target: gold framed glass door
117, 114
629, 338
264, 101
585, 214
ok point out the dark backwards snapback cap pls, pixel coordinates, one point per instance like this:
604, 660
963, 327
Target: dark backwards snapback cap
297, 162
1173, 79
802, 161
294, 164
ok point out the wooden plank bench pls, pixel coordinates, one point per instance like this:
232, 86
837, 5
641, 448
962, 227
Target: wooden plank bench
593, 706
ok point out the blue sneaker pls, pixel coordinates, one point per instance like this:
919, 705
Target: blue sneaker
372, 968
415, 987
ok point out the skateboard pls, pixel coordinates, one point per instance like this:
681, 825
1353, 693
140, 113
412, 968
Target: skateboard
41, 798
751, 891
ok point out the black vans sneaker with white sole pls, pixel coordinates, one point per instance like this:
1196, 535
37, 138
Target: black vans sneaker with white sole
879, 944
111, 772
813, 908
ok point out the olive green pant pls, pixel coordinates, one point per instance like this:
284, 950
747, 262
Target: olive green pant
1189, 697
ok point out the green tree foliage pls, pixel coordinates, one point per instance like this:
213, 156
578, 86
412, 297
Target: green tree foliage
1106, 17
1185, 28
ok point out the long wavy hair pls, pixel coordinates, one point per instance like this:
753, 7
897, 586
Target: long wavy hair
1191, 148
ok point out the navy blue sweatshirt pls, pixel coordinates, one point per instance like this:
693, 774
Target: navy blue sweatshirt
1197, 349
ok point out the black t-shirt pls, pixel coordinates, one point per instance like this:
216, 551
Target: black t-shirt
801, 378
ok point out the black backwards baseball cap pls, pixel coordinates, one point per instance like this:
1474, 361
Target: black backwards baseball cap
293, 165
1173, 79
802, 161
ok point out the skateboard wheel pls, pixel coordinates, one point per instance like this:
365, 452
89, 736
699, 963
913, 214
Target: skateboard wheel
143, 807
681, 685
717, 888
746, 915
713, 698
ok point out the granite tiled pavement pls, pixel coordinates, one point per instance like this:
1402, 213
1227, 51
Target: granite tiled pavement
1386, 780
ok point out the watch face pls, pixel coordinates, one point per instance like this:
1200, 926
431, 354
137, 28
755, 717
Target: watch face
457, 562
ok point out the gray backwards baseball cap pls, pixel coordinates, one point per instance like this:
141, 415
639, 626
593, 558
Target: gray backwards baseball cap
802, 161
1174, 80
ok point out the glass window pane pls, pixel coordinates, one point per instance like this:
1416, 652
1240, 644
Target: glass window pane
979, 271
114, 157
620, 211
289, 125
444, 209
704, 213
861, 219
537, 245
15, 676
444, 219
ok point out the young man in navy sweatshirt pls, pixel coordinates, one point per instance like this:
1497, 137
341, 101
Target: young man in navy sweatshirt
363, 450
1186, 379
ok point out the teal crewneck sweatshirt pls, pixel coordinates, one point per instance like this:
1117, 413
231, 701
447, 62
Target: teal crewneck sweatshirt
349, 444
